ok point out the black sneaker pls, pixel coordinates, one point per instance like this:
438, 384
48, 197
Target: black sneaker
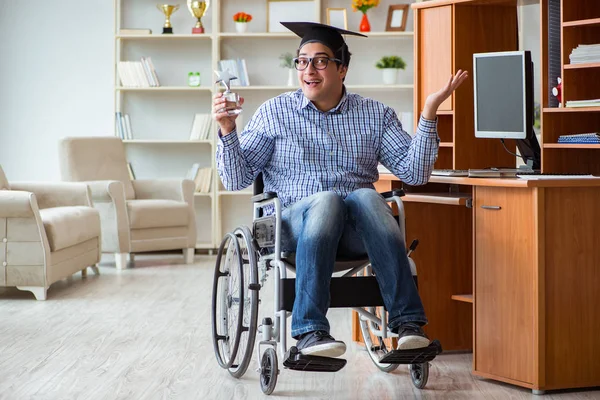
320, 343
411, 336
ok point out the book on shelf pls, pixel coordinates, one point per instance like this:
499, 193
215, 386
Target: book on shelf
201, 176
138, 73
236, 67
130, 170
201, 127
123, 126
580, 138
135, 31
583, 103
585, 53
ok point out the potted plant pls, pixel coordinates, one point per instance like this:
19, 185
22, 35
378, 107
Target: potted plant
390, 66
241, 21
287, 61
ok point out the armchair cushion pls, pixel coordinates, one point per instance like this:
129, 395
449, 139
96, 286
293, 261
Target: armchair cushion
157, 213
68, 226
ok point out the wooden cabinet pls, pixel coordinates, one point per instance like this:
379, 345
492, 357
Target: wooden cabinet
505, 263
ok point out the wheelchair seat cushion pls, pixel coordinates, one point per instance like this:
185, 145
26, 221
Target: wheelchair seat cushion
340, 264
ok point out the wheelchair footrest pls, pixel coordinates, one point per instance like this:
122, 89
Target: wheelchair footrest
413, 356
299, 362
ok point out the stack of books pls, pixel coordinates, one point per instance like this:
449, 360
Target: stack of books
581, 138
583, 103
201, 176
138, 73
123, 126
237, 68
201, 127
585, 53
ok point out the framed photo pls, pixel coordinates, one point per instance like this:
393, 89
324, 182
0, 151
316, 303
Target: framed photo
337, 17
289, 10
396, 19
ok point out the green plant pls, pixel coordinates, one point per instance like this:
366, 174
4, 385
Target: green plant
287, 60
391, 62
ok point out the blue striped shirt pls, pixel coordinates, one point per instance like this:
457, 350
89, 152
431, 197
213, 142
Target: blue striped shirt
302, 151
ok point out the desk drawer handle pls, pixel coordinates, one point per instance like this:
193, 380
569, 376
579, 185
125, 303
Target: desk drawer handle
491, 207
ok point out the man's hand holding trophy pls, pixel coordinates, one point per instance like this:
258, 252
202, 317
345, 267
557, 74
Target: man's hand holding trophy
227, 105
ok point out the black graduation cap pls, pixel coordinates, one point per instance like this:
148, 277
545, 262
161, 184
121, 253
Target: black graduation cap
328, 35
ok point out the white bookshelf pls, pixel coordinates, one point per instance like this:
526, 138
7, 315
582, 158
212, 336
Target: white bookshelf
161, 117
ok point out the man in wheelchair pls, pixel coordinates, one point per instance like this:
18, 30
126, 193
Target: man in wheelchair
318, 148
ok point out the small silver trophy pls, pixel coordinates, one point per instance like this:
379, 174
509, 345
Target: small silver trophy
232, 100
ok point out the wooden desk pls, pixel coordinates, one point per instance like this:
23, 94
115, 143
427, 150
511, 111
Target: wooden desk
515, 277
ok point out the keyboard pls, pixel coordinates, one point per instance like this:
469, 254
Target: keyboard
450, 172
538, 176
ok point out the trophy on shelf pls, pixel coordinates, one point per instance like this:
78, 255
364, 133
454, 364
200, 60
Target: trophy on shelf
198, 9
232, 100
167, 9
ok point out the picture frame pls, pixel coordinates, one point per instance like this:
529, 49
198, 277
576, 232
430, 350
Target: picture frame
337, 17
397, 16
289, 10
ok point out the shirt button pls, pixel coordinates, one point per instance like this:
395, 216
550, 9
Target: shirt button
5, 240
4, 264
331, 153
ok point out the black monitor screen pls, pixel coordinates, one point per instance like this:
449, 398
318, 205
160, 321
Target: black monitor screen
500, 98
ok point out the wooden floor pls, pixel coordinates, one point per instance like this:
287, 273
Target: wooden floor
144, 333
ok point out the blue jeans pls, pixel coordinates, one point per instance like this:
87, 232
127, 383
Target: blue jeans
323, 227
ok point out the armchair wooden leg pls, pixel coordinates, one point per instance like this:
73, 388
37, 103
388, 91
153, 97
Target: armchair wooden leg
188, 255
95, 269
84, 273
38, 292
121, 260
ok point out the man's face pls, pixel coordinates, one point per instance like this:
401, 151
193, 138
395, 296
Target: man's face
322, 86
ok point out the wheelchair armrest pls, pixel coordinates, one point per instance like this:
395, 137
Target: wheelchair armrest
263, 196
392, 193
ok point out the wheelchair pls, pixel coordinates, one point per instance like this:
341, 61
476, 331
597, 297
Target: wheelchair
244, 260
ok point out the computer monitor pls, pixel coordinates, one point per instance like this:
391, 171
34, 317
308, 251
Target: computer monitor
504, 103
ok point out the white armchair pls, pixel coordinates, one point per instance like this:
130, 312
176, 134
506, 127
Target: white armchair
137, 215
48, 231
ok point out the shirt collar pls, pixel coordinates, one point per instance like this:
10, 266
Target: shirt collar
340, 108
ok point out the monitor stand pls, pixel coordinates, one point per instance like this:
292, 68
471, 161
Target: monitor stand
530, 151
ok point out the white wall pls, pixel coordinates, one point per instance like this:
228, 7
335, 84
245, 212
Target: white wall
56, 80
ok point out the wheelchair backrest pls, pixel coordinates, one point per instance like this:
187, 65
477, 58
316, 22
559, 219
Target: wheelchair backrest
259, 185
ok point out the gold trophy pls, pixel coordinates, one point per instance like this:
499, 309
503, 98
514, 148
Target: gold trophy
198, 9
167, 9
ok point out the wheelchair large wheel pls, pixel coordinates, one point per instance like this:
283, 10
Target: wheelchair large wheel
375, 344
235, 302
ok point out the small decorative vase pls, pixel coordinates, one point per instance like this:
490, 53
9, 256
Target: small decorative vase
291, 77
241, 27
390, 76
364, 24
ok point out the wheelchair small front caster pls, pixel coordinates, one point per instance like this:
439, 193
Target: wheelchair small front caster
419, 374
268, 371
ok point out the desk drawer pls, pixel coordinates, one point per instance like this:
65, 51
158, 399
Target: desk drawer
504, 273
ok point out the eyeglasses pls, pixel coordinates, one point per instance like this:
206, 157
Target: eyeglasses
320, 63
